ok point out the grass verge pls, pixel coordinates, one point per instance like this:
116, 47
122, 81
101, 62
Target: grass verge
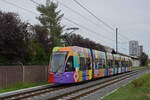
21, 86
138, 67
138, 89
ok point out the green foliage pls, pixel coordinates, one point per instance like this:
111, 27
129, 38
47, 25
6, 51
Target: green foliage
144, 59
50, 18
78, 40
18, 45
38, 56
138, 82
14, 39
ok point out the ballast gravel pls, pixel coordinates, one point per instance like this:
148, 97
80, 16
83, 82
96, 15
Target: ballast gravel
93, 96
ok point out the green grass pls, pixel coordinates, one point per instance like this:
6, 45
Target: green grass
138, 89
22, 86
138, 67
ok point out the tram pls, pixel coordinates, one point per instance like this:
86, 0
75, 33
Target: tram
75, 64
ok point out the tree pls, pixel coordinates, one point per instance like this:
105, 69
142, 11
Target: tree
41, 36
144, 59
50, 18
14, 38
77, 40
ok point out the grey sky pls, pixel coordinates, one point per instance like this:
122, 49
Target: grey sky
130, 16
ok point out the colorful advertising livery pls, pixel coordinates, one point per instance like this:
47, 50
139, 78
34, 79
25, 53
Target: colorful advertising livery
76, 64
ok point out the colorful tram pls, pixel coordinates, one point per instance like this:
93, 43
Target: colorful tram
76, 64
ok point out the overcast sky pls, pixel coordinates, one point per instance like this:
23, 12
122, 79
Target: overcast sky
132, 17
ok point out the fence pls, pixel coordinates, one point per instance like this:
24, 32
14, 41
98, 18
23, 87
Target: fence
10, 75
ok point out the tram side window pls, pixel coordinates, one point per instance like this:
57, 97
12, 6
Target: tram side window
70, 65
103, 61
108, 62
96, 63
83, 63
113, 63
88, 64
117, 63
130, 63
100, 63
122, 63
126, 64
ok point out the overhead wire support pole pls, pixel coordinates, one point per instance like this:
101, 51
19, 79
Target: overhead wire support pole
116, 40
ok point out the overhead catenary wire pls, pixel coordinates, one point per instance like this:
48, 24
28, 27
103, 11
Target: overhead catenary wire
38, 14
15, 5
87, 29
35, 2
64, 17
100, 20
74, 12
75, 22
81, 15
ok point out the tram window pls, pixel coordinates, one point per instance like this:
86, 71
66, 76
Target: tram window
126, 64
117, 63
103, 62
84, 63
96, 63
100, 63
130, 63
111, 63
88, 64
122, 63
70, 65
108, 63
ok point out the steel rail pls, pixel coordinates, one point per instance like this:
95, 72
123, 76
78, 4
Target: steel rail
37, 92
100, 86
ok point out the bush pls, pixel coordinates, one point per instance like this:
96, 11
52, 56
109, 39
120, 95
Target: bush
139, 82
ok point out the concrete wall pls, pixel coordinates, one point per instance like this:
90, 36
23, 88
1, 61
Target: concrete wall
10, 75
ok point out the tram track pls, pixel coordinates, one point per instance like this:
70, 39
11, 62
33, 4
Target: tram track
31, 93
76, 94
71, 90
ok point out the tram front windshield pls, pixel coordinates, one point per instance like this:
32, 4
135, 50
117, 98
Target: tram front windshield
58, 61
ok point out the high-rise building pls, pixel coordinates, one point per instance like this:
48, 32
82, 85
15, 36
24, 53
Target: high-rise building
140, 50
135, 49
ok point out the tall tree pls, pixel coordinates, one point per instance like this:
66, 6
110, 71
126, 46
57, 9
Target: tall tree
41, 36
14, 38
50, 18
